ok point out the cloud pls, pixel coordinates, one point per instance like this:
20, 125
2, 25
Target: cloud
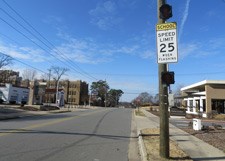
89, 51
23, 53
128, 49
148, 54
204, 48
105, 15
186, 12
108, 8
53, 20
204, 28
211, 47
83, 50
195, 50
130, 4
134, 88
188, 49
216, 43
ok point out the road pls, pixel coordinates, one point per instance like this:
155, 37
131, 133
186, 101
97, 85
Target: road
102, 134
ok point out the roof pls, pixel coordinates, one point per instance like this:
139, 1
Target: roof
203, 83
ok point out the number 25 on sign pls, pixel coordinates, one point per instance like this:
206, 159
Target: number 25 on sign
167, 42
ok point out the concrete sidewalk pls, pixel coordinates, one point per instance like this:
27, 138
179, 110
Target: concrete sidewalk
197, 149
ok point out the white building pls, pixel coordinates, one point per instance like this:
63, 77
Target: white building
13, 94
205, 97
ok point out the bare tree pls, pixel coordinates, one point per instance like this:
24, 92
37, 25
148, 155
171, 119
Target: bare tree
58, 72
29, 74
45, 76
178, 95
145, 98
5, 60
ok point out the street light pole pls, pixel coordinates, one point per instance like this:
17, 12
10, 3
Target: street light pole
163, 100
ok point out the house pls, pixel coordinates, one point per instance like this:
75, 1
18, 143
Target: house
13, 94
205, 97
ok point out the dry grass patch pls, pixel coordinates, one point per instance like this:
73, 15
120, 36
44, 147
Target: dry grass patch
152, 140
151, 108
139, 113
219, 117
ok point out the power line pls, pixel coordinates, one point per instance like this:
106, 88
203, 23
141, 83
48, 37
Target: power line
25, 36
61, 54
155, 75
9, 38
17, 59
42, 36
24, 63
34, 41
125, 74
206, 73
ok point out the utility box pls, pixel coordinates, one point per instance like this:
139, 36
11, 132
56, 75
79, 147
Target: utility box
197, 124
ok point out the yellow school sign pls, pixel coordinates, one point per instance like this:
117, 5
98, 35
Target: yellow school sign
166, 34
166, 26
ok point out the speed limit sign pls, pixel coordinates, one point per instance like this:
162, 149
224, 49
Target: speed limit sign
167, 42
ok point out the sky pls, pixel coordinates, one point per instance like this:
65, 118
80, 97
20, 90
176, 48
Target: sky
113, 40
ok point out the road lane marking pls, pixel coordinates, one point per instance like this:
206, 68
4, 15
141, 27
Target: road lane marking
21, 130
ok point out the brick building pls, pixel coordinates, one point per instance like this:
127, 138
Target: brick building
75, 92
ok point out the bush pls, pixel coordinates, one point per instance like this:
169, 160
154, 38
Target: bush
29, 108
49, 108
1, 101
12, 102
23, 102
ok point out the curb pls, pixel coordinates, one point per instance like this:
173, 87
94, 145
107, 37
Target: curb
142, 147
9, 118
134, 148
19, 116
30, 114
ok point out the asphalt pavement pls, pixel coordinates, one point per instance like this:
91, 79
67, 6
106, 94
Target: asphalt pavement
197, 149
103, 134
13, 112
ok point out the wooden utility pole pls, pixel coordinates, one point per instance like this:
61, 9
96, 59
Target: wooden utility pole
49, 82
163, 100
